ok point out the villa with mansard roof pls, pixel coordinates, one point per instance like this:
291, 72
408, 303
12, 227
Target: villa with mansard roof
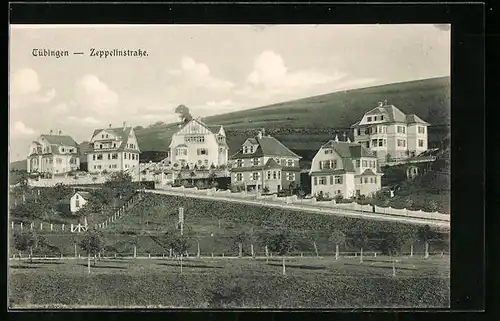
196, 143
391, 134
265, 161
54, 154
344, 168
113, 149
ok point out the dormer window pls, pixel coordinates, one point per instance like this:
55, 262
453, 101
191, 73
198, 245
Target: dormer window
375, 118
368, 119
381, 117
256, 162
102, 136
245, 150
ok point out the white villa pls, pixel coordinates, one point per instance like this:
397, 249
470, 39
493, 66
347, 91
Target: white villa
55, 154
344, 168
113, 150
391, 134
198, 144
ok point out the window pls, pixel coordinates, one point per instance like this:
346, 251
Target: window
239, 176
331, 180
102, 136
421, 130
99, 156
401, 130
290, 176
371, 180
322, 180
358, 162
274, 174
125, 155
77, 196
133, 156
181, 152
359, 131
401, 143
381, 117
202, 151
77, 202
375, 118
420, 143
368, 119
100, 145
367, 144
269, 175
380, 142
255, 176
385, 142
365, 163
338, 179
62, 149
114, 156
239, 163
114, 145
109, 156
110, 166
206, 162
126, 165
95, 167
93, 157
289, 162
256, 161
99, 166
279, 175
366, 180
194, 139
374, 142
375, 180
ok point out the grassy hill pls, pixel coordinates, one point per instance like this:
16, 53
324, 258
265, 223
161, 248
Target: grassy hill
18, 165
304, 124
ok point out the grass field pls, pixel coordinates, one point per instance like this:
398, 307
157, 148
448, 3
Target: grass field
231, 283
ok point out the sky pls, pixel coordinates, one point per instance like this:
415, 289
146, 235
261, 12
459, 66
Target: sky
212, 69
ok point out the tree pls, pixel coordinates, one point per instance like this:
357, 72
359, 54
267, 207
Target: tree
177, 242
359, 240
339, 198
282, 243
184, 113
337, 237
92, 243
120, 183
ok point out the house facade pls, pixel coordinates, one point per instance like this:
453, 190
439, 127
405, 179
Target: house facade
55, 154
391, 134
265, 161
78, 200
196, 143
113, 150
344, 168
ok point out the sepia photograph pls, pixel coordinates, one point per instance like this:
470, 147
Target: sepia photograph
225, 166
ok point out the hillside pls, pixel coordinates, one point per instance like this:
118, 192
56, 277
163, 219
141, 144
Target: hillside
304, 124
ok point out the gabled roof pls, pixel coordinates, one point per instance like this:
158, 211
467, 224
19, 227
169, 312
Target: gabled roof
267, 146
392, 114
122, 132
412, 118
214, 129
63, 140
85, 195
368, 172
271, 163
349, 150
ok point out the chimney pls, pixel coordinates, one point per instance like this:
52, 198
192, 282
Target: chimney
336, 138
59, 132
260, 134
109, 125
385, 102
380, 104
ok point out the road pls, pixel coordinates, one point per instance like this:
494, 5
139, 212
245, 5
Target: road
313, 209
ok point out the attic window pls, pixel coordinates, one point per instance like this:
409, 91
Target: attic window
381, 117
375, 118
102, 135
368, 119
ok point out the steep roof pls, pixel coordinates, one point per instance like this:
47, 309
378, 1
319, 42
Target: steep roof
349, 150
85, 195
64, 140
368, 172
267, 146
412, 118
393, 114
122, 132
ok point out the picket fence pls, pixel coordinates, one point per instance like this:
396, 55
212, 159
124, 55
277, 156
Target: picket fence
294, 202
79, 228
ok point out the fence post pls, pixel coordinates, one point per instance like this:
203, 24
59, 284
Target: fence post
251, 249
240, 253
21, 226
62, 227
426, 250
393, 267
361, 256
71, 227
32, 225
284, 271
336, 252
170, 253
198, 254
315, 248
411, 250
51, 226
135, 251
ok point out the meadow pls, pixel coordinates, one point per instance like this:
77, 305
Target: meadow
309, 282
